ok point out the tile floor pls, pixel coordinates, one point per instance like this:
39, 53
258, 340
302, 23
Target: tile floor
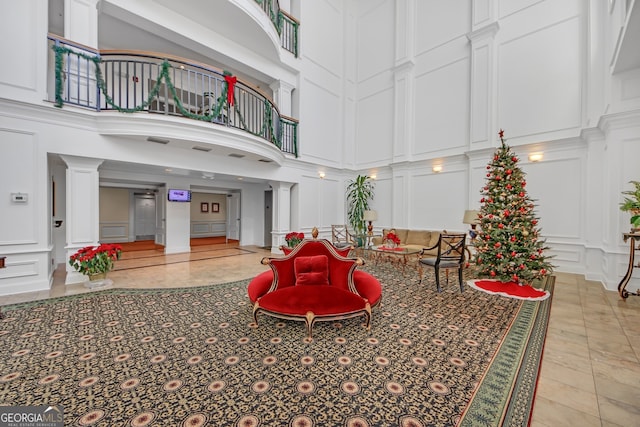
591, 364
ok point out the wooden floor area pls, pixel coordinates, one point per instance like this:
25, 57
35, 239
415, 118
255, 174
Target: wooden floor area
149, 245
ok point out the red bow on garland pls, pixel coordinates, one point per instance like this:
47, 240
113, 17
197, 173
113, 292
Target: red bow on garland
231, 82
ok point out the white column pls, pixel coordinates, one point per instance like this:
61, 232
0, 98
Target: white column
282, 96
83, 207
281, 213
177, 223
81, 21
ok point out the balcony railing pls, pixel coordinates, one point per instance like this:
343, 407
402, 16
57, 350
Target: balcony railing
285, 24
132, 82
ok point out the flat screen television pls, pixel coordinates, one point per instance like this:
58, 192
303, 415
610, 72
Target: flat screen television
179, 195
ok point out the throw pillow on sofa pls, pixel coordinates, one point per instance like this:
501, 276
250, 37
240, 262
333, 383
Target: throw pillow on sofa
311, 270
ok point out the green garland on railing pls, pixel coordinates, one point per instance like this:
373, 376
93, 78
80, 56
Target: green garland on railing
221, 101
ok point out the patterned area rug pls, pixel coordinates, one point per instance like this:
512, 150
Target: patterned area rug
194, 357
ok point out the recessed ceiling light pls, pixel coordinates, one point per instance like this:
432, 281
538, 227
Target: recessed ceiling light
205, 149
158, 140
265, 161
240, 178
237, 156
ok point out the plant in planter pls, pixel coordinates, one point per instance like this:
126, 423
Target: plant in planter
293, 238
359, 193
94, 261
631, 204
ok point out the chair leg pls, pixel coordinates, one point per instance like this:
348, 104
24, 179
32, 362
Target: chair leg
460, 279
437, 270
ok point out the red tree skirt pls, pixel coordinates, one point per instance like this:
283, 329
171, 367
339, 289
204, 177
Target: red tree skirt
509, 289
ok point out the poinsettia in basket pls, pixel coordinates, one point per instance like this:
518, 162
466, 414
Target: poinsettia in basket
294, 238
95, 260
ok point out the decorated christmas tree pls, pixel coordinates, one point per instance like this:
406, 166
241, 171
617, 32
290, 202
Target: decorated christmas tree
508, 247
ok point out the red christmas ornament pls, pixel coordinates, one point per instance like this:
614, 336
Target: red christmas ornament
497, 245
482, 200
514, 159
509, 186
492, 273
509, 172
521, 194
524, 183
514, 253
515, 278
506, 212
513, 238
534, 222
501, 225
499, 255
543, 271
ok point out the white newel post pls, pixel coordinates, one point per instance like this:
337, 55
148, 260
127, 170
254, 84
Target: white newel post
83, 208
281, 213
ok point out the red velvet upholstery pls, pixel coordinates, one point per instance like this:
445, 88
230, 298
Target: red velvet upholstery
311, 270
348, 292
322, 300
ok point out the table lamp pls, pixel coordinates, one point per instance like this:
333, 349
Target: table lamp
370, 216
471, 217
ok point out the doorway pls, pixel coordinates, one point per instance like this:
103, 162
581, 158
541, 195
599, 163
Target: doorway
144, 216
268, 218
233, 216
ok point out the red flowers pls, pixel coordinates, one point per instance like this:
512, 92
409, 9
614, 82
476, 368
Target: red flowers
94, 260
294, 238
393, 237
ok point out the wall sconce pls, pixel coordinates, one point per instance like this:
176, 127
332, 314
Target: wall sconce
321, 175
535, 157
437, 168
373, 176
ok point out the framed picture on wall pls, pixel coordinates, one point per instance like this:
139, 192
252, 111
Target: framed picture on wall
204, 207
215, 207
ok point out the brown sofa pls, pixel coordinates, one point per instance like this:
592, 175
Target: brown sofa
417, 239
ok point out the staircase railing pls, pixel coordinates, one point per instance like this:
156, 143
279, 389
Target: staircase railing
131, 81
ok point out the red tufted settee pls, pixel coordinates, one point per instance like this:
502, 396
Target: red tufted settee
314, 283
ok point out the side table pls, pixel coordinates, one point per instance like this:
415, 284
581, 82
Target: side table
632, 238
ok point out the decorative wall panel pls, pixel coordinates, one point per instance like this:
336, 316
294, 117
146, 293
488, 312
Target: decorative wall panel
540, 80
442, 108
374, 135
19, 221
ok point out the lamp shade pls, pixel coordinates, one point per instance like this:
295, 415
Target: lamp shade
370, 216
471, 217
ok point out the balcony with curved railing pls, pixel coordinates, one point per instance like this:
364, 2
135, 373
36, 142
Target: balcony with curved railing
132, 82
285, 24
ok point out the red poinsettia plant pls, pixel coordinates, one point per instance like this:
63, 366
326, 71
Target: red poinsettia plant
393, 237
92, 260
294, 238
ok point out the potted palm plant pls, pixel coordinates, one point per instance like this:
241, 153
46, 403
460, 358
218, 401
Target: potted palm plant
359, 193
631, 204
